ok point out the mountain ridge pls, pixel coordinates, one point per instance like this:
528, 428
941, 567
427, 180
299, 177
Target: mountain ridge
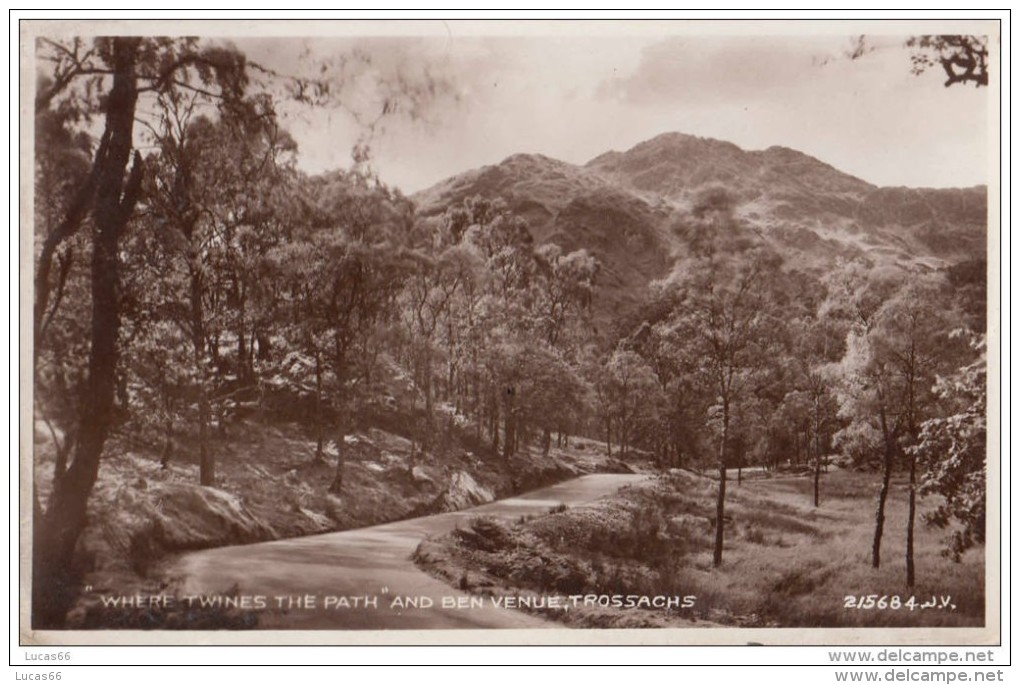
627, 208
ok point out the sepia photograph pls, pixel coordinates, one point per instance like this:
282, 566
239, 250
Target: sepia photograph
543, 332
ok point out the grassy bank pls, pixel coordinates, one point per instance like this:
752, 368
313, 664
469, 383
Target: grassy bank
785, 563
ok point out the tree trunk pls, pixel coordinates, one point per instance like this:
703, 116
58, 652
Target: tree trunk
911, 512
427, 437
206, 462
54, 576
265, 349
720, 504
168, 444
720, 511
546, 442
319, 452
337, 486
912, 495
609, 437
509, 438
818, 475
508, 435
883, 493
494, 428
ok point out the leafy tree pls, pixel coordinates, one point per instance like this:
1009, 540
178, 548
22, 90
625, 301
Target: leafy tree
912, 333
951, 448
677, 412
429, 298
337, 280
896, 346
723, 311
210, 200
864, 392
119, 69
813, 353
628, 393
565, 292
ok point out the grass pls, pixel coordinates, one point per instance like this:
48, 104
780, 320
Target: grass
785, 562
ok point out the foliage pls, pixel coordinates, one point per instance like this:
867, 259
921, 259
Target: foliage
964, 59
952, 448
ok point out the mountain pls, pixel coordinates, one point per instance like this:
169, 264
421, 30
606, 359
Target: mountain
574, 208
625, 208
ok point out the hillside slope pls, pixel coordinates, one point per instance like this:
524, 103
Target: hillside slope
625, 207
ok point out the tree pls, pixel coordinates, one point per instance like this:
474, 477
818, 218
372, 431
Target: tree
628, 392
110, 194
814, 351
866, 398
338, 279
896, 346
562, 315
964, 59
723, 312
912, 333
681, 404
105, 77
429, 298
951, 448
211, 200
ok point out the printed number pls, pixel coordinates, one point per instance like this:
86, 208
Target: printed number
894, 602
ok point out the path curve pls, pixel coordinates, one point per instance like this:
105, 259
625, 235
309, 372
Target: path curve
361, 562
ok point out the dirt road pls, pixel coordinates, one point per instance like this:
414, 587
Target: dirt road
346, 568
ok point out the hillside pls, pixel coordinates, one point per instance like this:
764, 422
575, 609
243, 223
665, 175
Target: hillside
574, 208
625, 208
789, 564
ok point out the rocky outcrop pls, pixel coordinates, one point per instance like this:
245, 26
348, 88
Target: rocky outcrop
463, 492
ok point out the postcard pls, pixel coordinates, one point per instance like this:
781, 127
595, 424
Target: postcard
510, 332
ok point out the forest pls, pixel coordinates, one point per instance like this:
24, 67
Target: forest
190, 279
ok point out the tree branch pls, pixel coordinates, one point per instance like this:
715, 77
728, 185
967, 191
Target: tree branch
76, 213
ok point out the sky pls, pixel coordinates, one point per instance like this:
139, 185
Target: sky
463, 101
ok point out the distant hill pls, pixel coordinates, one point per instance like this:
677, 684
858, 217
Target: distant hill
625, 206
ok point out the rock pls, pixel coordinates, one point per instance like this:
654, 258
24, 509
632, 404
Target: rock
192, 517
617, 466
321, 522
418, 475
463, 492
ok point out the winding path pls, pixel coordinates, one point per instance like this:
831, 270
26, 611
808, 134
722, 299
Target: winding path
367, 562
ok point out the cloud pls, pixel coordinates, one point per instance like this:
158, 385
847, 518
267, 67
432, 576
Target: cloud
573, 97
712, 70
